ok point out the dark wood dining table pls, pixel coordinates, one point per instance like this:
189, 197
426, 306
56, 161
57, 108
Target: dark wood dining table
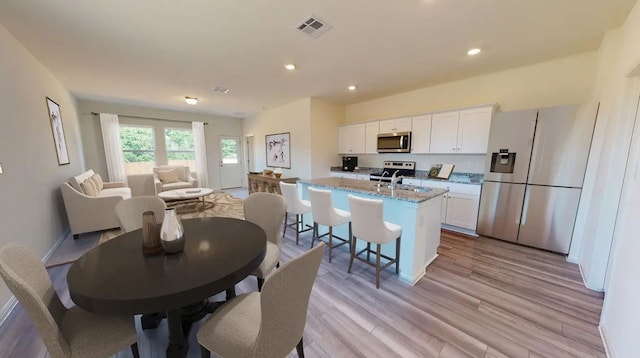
116, 278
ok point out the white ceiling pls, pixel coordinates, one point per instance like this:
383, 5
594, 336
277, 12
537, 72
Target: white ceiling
156, 52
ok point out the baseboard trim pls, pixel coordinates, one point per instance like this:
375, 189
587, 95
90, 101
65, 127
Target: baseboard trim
608, 348
11, 304
584, 280
460, 230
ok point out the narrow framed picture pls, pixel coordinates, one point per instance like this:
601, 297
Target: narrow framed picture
278, 150
57, 129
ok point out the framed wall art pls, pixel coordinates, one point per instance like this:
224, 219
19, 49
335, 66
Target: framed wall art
278, 150
58, 132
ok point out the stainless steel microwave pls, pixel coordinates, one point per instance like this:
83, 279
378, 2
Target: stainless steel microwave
398, 142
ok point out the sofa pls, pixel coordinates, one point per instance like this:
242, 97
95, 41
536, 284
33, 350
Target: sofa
89, 202
170, 177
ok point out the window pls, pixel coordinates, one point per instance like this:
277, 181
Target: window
180, 147
229, 150
138, 149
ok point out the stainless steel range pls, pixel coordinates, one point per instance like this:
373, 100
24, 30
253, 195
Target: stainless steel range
407, 169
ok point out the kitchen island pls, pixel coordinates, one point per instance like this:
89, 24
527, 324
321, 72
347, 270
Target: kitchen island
415, 209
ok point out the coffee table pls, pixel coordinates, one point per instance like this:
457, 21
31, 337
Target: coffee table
178, 198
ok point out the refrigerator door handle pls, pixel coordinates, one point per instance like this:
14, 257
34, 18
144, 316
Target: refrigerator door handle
525, 206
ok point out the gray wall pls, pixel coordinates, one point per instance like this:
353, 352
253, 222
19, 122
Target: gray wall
92, 134
31, 208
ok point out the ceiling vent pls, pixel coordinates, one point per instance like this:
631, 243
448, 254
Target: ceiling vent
221, 90
313, 26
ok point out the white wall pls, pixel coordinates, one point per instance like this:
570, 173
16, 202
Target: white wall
325, 119
563, 81
31, 209
294, 118
618, 94
94, 147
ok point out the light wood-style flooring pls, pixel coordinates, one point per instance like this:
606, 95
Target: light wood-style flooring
480, 298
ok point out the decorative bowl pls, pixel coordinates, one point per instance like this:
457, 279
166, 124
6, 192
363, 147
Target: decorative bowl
267, 172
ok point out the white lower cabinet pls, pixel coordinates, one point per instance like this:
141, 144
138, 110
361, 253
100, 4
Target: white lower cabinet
460, 205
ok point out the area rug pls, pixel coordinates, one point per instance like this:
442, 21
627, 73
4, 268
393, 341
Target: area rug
224, 204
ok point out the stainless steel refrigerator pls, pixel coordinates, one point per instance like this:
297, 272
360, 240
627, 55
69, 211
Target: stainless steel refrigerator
533, 176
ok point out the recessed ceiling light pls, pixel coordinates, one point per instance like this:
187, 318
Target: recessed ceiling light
221, 90
191, 100
473, 51
290, 66
352, 88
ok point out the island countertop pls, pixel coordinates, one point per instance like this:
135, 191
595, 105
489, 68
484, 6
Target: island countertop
402, 192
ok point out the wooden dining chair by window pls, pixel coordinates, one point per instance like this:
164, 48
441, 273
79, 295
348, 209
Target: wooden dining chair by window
268, 323
129, 211
267, 211
66, 332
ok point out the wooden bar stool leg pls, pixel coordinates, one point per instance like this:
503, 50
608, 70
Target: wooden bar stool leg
315, 233
353, 253
368, 250
377, 265
297, 227
398, 255
350, 235
330, 242
286, 221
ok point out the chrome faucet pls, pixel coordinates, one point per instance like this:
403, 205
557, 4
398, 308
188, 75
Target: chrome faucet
380, 180
394, 179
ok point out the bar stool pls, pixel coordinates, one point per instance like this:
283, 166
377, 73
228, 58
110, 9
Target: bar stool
325, 214
296, 206
369, 225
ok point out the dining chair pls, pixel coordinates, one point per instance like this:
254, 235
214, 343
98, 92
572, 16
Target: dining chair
269, 323
267, 211
66, 332
369, 225
325, 214
129, 211
295, 206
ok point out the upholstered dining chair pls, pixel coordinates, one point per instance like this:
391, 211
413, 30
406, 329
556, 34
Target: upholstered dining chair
65, 332
325, 214
129, 211
267, 211
369, 225
295, 206
268, 323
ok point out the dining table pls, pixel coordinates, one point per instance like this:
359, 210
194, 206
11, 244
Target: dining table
116, 278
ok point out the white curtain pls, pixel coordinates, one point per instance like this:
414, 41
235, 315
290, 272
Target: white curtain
201, 154
112, 146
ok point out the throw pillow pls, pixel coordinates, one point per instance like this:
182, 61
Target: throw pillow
168, 176
99, 182
88, 188
94, 182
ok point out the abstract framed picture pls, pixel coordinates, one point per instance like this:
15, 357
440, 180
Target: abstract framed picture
58, 132
278, 150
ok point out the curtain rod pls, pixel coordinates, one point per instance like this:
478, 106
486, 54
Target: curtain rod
160, 119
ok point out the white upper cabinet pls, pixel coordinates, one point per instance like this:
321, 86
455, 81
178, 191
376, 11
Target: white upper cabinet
421, 134
473, 130
465, 131
395, 125
351, 139
444, 132
371, 137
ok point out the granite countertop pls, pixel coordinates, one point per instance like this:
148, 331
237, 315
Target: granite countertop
403, 192
456, 177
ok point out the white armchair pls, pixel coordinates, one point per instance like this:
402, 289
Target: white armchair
170, 177
90, 205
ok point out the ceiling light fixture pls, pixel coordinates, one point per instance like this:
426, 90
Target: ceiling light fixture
290, 66
352, 88
221, 90
191, 100
473, 51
